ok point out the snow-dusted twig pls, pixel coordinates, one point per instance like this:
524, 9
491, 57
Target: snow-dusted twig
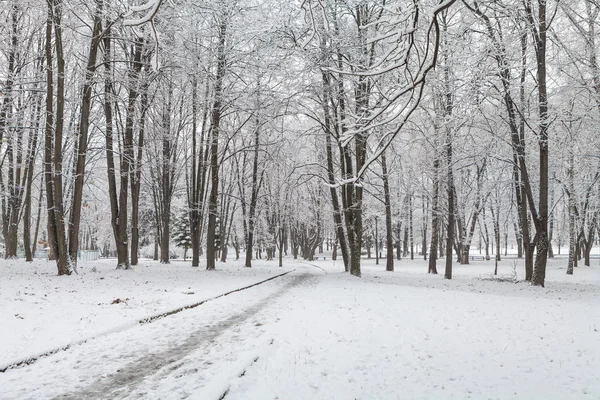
151, 8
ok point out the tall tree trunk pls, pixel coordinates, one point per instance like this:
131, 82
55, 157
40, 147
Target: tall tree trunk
539, 28
357, 208
38, 219
215, 124
450, 193
389, 238
28, 181
486, 235
447, 101
83, 130
136, 176
405, 241
425, 206
399, 240
518, 239
166, 180
572, 215
198, 175
496, 223
376, 240
54, 134
11, 198
551, 225
256, 183
337, 212
411, 227
118, 201
435, 212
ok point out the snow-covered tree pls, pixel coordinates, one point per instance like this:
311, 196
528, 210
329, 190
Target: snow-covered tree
181, 232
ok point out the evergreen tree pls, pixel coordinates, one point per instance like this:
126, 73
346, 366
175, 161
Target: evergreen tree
181, 233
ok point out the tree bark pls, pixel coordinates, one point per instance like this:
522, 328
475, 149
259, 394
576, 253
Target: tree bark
118, 201
83, 130
215, 123
541, 222
136, 181
450, 193
572, 215
337, 212
435, 212
389, 239
167, 180
54, 138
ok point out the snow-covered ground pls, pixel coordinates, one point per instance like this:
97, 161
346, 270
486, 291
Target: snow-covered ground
315, 333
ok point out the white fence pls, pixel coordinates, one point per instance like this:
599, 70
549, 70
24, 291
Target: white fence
82, 255
88, 255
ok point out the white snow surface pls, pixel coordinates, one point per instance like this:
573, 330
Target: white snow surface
315, 333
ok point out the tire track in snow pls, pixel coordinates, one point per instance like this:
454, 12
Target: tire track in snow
316, 266
143, 321
130, 376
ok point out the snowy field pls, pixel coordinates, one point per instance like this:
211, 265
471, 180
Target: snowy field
315, 333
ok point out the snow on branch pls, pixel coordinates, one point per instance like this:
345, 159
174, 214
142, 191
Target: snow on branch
309, 7
398, 43
150, 9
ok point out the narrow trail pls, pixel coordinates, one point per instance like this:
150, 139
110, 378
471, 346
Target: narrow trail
315, 266
146, 320
128, 378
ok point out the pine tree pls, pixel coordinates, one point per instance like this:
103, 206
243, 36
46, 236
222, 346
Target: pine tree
181, 233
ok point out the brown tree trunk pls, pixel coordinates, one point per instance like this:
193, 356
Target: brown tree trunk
54, 133
539, 28
357, 208
215, 123
198, 175
118, 201
166, 180
82, 143
256, 184
389, 239
31, 158
410, 226
447, 101
572, 215
435, 214
424, 209
337, 212
136, 181
38, 219
496, 223
10, 203
450, 191
519, 239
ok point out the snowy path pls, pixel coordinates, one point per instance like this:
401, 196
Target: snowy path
151, 361
128, 378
